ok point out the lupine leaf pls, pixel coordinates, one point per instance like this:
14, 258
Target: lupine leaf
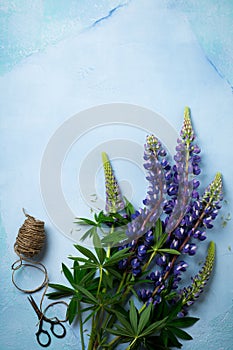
68, 274
114, 273
124, 323
180, 333
102, 218
184, 322
144, 318
133, 316
169, 251
59, 295
154, 327
172, 340
86, 252
85, 221
60, 287
115, 237
121, 254
88, 233
72, 309
85, 292
157, 230
98, 248
77, 273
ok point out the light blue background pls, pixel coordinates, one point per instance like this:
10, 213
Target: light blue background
61, 57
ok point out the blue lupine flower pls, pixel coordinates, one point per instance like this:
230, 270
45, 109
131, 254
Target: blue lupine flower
183, 187
154, 200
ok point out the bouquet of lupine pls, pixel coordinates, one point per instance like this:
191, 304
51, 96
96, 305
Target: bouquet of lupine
128, 291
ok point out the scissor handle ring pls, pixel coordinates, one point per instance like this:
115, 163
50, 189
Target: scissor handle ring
38, 335
53, 327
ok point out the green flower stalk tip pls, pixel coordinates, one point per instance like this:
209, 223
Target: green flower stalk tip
152, 143
213, 193
114, 199
187, 133
193, 292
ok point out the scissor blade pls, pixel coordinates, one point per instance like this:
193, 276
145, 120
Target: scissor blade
34, 305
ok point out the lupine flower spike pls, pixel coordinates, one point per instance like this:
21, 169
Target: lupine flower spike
154, 202
114, 199
185, 169
191, 293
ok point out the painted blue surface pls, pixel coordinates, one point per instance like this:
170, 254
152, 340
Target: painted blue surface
30, 26
58, 59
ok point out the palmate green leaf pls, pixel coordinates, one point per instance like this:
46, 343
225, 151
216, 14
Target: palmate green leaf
86, 252
90, 297
68, 274
120, 331
89, 266
77, 273
133, 316
116, 257
169, 251
157, 230
180, 333
155, 342
59, 295
100, 251
183, 322
162, 239
107, 281
85, 221
89, 233
125, 324
144, 318
173, 311
87, 278
115, 237
72, 309
154, 327
172, 340
60, 287
114, 272
102, 218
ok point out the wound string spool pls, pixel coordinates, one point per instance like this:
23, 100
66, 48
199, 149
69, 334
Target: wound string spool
29, 243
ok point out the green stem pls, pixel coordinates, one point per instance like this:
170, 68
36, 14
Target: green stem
150, 259
112, 342
81, 325
92, 336
100, 280
131, 344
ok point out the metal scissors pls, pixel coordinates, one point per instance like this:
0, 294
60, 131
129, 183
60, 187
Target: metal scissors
54, 324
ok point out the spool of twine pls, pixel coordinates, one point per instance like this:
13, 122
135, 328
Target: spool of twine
31, 237
29, 243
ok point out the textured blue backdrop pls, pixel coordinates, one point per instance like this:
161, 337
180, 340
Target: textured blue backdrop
60, 57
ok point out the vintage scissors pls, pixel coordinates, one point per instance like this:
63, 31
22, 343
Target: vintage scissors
54, 325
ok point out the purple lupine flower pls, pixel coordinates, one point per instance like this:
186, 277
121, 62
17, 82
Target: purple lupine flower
154, 200
114, 199
186, 164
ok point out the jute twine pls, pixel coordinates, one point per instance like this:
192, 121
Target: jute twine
29, 243
31, 237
